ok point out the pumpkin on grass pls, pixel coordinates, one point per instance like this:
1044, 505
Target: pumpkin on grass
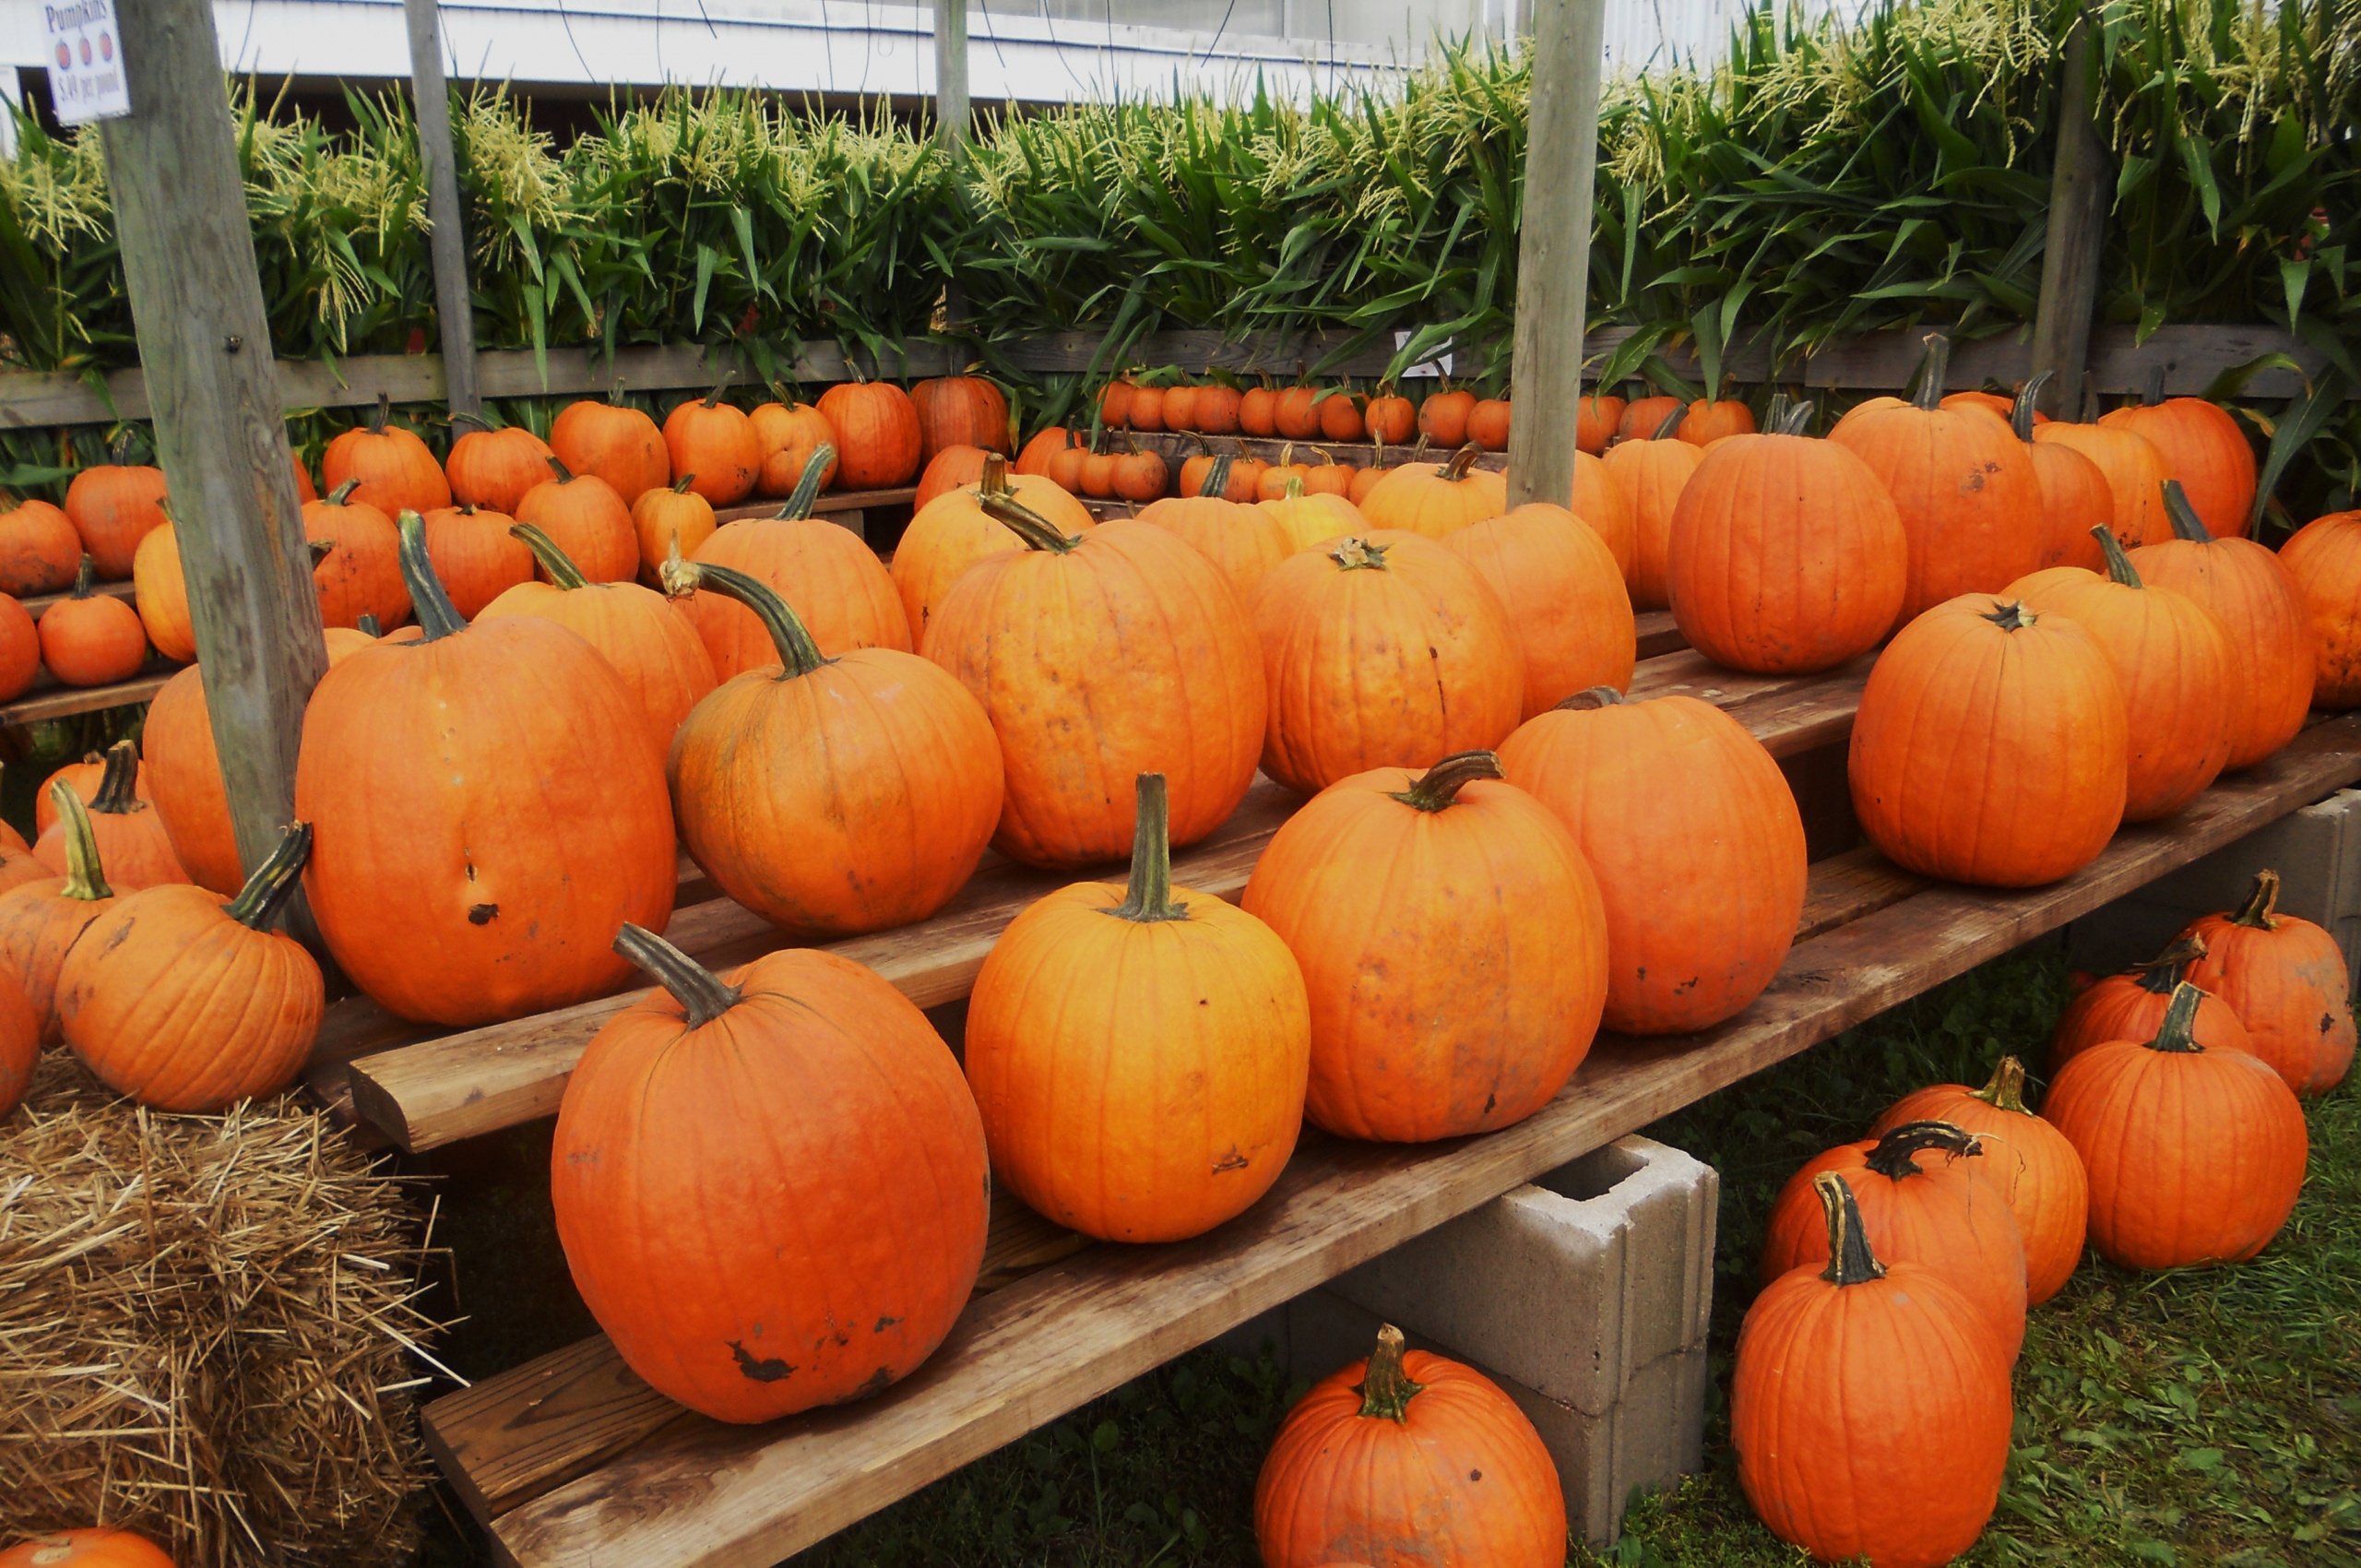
474, 554
2134, 471
1869, 1406
832, 796
1566, 604
1453, 945
19, 1045
2202, 447
952, 532
959, 410
487, 808
713, 442
1435, 499
1100, 658
85, 1548
2075, 495
2323, 561
2034, 1165
1408, 1458
666, 521
1929, 1193
113, 505
91, 639
493, 468
2130, 1004
1693, 835
877, 431
186, 1004
387, 466
590, 521
1382, 649
128, 830
786, 434
1990, 746
1243, 541
743, 1097
1649, 475
1185, 1015
19, 649
39, 922
2285, 979
2195, 1156
39, 549
613, 440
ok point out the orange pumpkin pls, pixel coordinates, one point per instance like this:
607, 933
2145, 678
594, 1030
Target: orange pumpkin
2323, 561
1649, 475
2075, 495
1114, 405
1990, 746
1273, 481
2134, 471
129, 831
2285, 979
40, 550
1600, 502
1313, 519
1244, 541
20, 1050
1990, 403
667, 521
2036, 1168
713, 446
91, 639
355, 565
1453, 945
1487, 424
959, 410
160, 594
952, 532
1064, 468
1140, 474
1340, 417
615, 441
1098, 470
2202, 447
1708, 420
85, 1548
486, 884
1694, 836
1434, 499
1374, 1458
19, 649
41, 920
786, 434
1100, 658
1566, 605
1181, 411
589, 520
1596, 418
1195, 1107
388, 467
1647, 418
1785, 553
1217, 407
877, 431
474, 554
113, 505
2271, 639
1443, 416
493, 468
1050, 441
84, 778
1258, 411
2129, 1005
1147, 410
954, 467
1296, 412
1389, 416
740, 1097
1382, 649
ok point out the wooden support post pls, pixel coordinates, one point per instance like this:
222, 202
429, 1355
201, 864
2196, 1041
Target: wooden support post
1553, 248
2080, 188
455, 304
950, 73
188, 258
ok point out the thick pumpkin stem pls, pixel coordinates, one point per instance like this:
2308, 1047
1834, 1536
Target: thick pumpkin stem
2007, 1090
2118, 566
381, 413
1461, 461
437, 616
1355, 555
1797, 419
1294, 487
2177, 1032
118, 791
1597, 696
564, 475
85, 575
367, 624
1036, 530
807, 484
1895, 1155
705, 995
1216, 480
2020, 414
319, 550
1149, 895
798, 653
2187, 524
713, 397
85, 878
1937, 367
1850, 1262
2010, 615
1386, 1389
1669, 428
2260, 912
681, 485
995, 477
1439, 787
343, 493
553, 560
2153, 393
273, 883
2161, 973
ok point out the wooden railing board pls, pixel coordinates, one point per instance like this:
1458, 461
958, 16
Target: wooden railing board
829, 501
53, 701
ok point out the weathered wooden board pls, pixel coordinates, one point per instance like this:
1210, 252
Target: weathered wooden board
51, 701
829, 502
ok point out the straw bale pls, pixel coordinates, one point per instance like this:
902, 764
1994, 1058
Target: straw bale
208, 1331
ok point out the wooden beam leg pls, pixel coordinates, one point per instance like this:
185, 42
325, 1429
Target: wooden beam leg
2080, 186
454, 303
950, 72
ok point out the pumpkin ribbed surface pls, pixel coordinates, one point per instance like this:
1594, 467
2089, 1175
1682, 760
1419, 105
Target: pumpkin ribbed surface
1566, 604
616, 441
2202, 447
2244, 586
2134, 471
2285, 979
840, 589
1650, 476
2323, 561
952, 532
1967, 495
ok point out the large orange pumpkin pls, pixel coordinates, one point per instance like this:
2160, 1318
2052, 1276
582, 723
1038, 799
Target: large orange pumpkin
1873, 1366
877, 432
590, 521
714, 446
1968, 496
128, 830
89, 639
2034, 1165
2174, 662
2271, 636
1649, 475
833, 795
1990, 746
2195, 1156
493, 468
787, 434
2202, 447
2285, 979
112, 506
85, 1548
1188, 1017
615, 441
1244, 541
1407, 1458
1382, 649
39, 549
961, 410
1435, 499
488, 807
1098, 658
39, 922
952, 532
2130, 1004
187, 1004
388, 466
1453, 943
2075, 495
746, 1097
1694, 836
2134, 471
356, 567
2323, 561
474, 554
1566, 604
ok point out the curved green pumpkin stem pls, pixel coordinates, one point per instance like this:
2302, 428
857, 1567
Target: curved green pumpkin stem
2012, 616
2161, 973
807, 484
1294, 489
798, 653
1461, 462
1669, 428
273, 883
381, 414
1595, 697
1386, 1389
681, 485
2177, 1033
720, 387
2260, 912
1937, 367
1036, 530
1354, 554
703, 995
2187, 524
1850, 1262
1796, 420
557, 467
1895, 1155
553, 559
2020, 412
343, 493
437, 616
2006, 1091
85, 575
2119, 568
1216, 480
1439, 787
118, 791
1149, 895
85, 878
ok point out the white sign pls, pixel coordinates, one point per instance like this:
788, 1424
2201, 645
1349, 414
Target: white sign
85, 58
1439, 365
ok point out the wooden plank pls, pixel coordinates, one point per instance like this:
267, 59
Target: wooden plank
831, 501
61, 702
2080, 186
736, 1497
447, 239
1657, 634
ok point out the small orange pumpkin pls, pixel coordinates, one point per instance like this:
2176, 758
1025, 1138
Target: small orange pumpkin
1644, 418
2285, 979
1488, 424
1313, 519
954, 467
387, 466
787, 434
877, 429
354, 568
1649, 474
493, 468
952, 532
668, 521
2075, 495
1434, 499
112, 506
1389, 416
615, 441
1596, 418
1566, 604
19, 649
712, 441
1443, 417
2134, 471
1707, 419
91, 640
2129, 1005
589, 520
2323, 561
39, 549
475, 555
129, 833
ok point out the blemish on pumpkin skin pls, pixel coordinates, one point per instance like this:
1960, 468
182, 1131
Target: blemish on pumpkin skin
770, 1371
883, 1323
1233, 1160
482, 914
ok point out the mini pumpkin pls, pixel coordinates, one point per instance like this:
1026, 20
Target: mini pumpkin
85, 1548
1443, 417
113, 505
786, 434
91, 640
19, 649
40, 551
713, 442
2285, 979
493, 468
616, 441
1708, 420
386, 465
1645, 419
667, 521
1311, 520
1488, 424
1596, 418
1388, 416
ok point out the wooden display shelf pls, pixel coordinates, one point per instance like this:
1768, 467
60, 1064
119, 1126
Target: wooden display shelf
829, 501
570, 1459
50, 700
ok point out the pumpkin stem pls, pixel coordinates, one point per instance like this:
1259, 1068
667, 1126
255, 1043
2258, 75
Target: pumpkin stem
798, 653
681, 485
2021, 414
319, 550
2006, 1091
1439, 787
1938, 365
1850, 1262
2010, 615
553, 560
2176, 1033
85, 879
368, 626
1387, 1390
1895, 1155
564, 475
1294, 487
1355, 555
713, 397
1216, 480
1669, 428
2159, 974
381, 413
343, 493
2118, 566
995, 477
807, 484
475, 420
2259, 913
1150, 895
703, 995
1597, 696
258, 902
437, 616
2187, 524
1036, 530
1461, 461
1796, 420
2153, 393
118, 791
84, 575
